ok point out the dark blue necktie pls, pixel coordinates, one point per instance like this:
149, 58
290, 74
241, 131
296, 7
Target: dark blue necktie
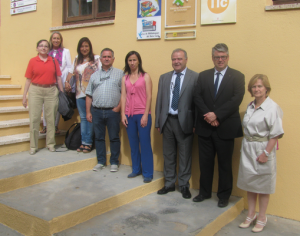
216, 83
175, 98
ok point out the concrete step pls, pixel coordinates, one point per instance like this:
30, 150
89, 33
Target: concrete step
11, 97
59, 204
10, 86
5, 77
13, 109
13, 127
20, 142
10, 89
10, 100
13, 113
20, 170
14, 123
157, 215
18, 138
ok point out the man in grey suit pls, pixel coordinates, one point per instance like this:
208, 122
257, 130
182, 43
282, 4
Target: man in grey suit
174, 117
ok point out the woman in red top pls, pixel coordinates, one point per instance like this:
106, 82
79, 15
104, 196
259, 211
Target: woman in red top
42, 74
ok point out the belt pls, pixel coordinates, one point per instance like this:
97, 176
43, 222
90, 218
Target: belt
173, 116
256, 139
104, 108
44, 85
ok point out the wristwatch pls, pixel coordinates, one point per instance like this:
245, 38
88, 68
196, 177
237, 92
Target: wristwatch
267, 154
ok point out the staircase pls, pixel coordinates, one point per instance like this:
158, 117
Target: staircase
58, 194
14, 120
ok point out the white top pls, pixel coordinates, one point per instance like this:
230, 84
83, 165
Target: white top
172, 85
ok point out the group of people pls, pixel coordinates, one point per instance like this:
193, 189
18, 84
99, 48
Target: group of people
206, 104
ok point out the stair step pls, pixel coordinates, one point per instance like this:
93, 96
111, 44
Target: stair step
18, 138
10, 86
56, 205
156, 215
11, 97
5, 77
15, 123
20, 170
13, 109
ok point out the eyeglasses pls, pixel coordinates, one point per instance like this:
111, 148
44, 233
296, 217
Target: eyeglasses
221, 57
43, 46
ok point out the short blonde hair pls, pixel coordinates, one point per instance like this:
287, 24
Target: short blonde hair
264, 80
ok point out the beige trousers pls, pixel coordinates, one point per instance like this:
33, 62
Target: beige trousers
37, 96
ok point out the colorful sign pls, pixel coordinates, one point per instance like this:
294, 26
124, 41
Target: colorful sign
218, 11
180, 13
148, 19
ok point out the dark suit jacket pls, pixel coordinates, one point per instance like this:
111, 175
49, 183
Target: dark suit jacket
186, 107
225, 105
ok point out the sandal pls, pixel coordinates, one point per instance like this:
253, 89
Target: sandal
80, 149
57, 131
44, 130
87, 148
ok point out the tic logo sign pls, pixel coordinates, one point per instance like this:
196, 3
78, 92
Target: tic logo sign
217, 6
218, 11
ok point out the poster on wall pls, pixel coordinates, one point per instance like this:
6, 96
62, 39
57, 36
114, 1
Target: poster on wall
17, 7
180, 13
218, 11
148, 19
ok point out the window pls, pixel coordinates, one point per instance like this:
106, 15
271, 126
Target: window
81, 11
277, 2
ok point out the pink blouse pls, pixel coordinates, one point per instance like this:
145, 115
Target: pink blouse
136, 96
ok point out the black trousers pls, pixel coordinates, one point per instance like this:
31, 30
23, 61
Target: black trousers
208, 148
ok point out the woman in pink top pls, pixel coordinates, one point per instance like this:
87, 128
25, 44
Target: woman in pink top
135, 111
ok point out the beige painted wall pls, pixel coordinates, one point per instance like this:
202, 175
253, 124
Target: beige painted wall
260, 42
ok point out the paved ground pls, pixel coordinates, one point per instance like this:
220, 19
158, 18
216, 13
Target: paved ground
276, 226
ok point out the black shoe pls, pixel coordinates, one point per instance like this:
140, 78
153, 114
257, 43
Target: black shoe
186, 192
222, 202
165, 190
200, 198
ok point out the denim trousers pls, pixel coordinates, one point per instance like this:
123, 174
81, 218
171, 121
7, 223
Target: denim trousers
140, 145
111, 120
87, 131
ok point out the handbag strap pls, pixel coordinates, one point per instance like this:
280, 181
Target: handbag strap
54, 68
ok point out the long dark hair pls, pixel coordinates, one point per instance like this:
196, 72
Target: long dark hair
80, 56
127, 67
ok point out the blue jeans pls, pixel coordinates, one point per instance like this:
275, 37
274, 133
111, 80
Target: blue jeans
111, 120
86, 127
140, 145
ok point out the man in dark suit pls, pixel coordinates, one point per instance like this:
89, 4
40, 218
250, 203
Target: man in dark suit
174, 117
218, 95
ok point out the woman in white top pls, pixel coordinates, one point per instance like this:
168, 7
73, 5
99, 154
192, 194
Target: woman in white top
63, 57
262, 125
85, 64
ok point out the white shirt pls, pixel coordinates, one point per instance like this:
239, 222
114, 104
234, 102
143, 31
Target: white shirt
66, 64
222, 73
172, 85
